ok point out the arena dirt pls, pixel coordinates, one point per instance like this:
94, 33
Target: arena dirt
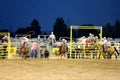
57, 69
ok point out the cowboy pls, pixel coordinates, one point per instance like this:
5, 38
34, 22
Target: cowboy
52, 38
104, 42
24, 40
64, 41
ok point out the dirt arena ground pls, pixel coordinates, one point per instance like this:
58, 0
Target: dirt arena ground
57, 69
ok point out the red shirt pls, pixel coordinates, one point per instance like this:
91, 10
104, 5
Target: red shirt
87, 41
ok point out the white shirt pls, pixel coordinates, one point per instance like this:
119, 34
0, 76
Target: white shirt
104, 41
51, 38
83, 40
64, 41
24, 39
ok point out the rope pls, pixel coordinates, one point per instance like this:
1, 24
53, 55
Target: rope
30, 33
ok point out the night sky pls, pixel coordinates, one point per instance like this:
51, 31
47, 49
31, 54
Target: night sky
20, 13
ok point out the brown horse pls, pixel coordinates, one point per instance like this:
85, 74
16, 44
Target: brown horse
110, 50
24, 51
63, 50
100, 49
46, 54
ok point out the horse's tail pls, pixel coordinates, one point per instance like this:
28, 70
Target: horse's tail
116, 50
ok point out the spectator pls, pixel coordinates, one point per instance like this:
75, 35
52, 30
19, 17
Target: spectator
5, 38
91, 37
83, 40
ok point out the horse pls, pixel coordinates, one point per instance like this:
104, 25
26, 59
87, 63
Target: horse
63, 50
24, 51
110, 50
100, 49
46, 54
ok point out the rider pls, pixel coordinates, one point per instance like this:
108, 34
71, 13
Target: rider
24, 40
52, 38
104, 42
64, 41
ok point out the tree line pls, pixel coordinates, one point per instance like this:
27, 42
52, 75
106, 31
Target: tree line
61, 29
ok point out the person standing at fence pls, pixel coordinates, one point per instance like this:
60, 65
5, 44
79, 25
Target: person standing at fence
5, 40
34, 49
91, 37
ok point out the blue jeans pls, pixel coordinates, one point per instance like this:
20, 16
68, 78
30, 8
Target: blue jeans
34, 54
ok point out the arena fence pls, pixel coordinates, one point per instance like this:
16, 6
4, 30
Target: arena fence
83, 51
82, 27
5, 45
79, 50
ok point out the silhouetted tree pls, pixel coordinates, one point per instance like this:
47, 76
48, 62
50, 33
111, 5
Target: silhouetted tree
68, 32
117, 29
36, 28
4, 30
108, 30
20, 31
59, 28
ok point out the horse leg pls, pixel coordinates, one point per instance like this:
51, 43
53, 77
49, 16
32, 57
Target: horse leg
103, 54
22, 55
25, 56
115, 55
108, 56
64, 55
99, 55
61, 55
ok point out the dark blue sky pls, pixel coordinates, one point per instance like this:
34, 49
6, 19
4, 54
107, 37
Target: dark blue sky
20, 13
